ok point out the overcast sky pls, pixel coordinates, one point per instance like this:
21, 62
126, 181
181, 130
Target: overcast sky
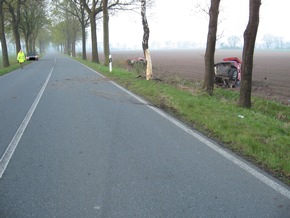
171, 20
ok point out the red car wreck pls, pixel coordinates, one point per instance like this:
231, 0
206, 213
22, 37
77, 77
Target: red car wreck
228, 72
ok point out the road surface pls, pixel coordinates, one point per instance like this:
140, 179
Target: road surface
74, 144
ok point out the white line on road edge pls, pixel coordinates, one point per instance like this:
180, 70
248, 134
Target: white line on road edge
16, 138
274, 185
266, 180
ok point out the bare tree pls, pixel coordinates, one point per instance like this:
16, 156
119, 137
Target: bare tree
93, 8
3, 37
109, 10
233, 41
84, 21
248, 54
269, 40
145, 41
208, 84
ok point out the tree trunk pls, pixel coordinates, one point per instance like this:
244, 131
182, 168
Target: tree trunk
93, 12
149, 74
208, 84
106, 32
68, 44
84, 36
26, 45
95, 55
34, 42
248, 54
41, 46
5, 58
145, 46
73, 48
84, 42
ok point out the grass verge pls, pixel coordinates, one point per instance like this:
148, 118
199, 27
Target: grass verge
13, 66
260, 134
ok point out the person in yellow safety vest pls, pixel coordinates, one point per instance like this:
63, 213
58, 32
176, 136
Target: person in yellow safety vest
21, 58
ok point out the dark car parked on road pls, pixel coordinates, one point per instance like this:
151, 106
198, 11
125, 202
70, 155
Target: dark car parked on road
32, 56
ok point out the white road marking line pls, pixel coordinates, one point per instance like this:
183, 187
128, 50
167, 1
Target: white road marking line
274, 185
266, 180
4, 161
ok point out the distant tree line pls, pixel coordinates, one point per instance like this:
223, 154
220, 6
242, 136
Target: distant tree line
269, 41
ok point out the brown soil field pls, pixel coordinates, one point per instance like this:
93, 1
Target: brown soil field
271, 72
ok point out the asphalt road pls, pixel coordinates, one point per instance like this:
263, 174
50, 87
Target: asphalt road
74, 144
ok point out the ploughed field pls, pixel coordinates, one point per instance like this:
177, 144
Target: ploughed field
271, 72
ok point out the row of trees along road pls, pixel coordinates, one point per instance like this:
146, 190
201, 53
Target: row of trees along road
72, 17
23, 20
28, 19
